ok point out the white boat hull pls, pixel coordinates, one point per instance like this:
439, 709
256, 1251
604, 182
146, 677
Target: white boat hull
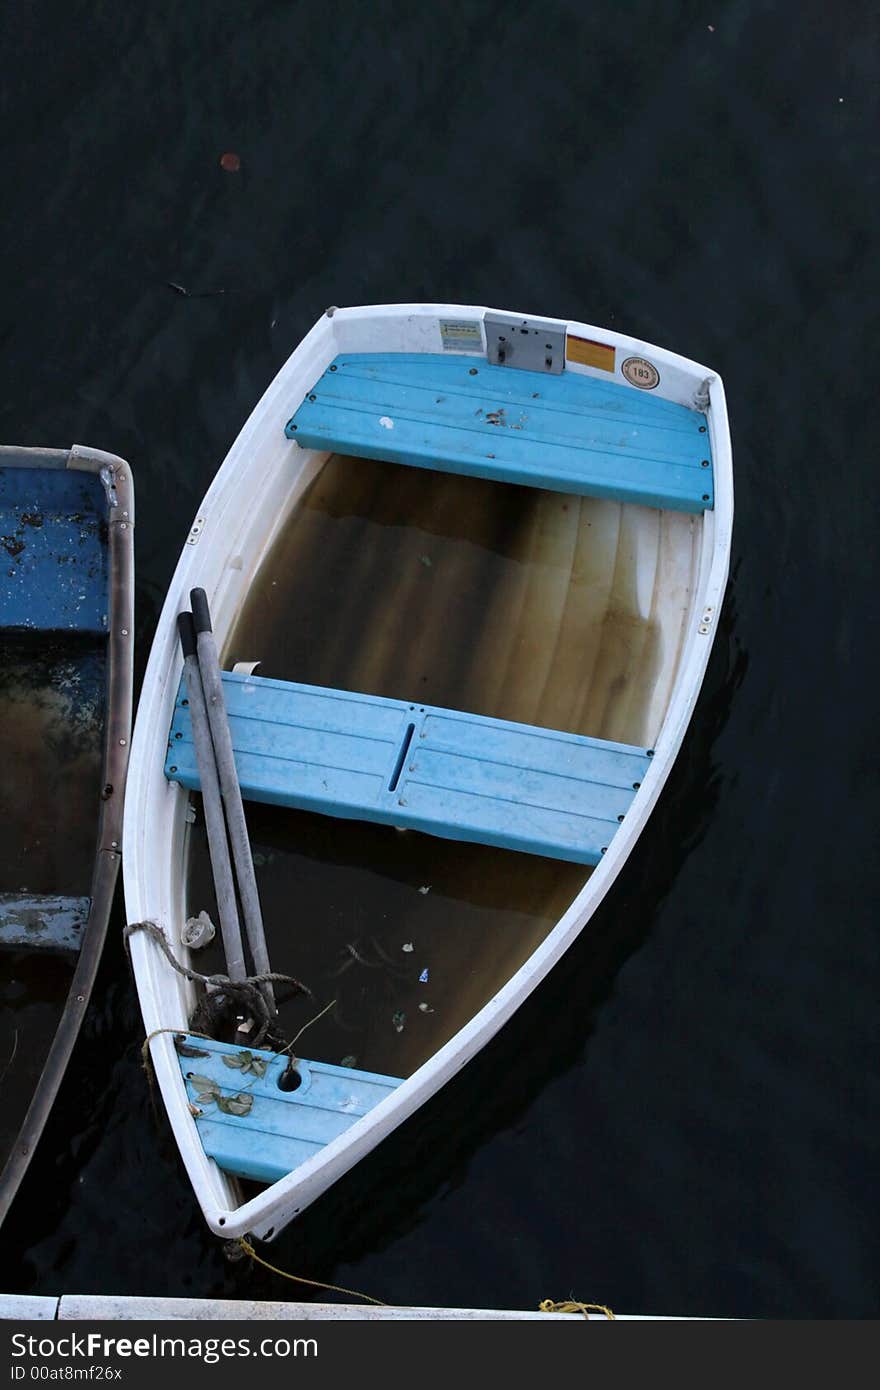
251, 497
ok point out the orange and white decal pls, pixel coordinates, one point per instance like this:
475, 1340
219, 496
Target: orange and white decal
589, 353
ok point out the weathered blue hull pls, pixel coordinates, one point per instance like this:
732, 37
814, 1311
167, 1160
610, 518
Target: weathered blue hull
66, 550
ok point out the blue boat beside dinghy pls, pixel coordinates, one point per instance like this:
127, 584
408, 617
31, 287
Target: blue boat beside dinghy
66, 610
444, 615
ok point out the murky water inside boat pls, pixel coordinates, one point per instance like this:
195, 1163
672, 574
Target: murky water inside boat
51, 727
51, 735
458, 592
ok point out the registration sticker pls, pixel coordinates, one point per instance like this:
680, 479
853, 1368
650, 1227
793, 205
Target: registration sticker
461, 335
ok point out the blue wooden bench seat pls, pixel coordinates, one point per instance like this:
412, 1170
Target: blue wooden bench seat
281, 1129
53, 532
460, 414
460, 776
50, 920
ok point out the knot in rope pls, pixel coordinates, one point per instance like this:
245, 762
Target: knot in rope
224, 999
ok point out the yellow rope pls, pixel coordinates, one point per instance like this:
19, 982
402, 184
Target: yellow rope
244, 1244
147, 1064
297, 1279
548, 1306
307, 1025
181, 1032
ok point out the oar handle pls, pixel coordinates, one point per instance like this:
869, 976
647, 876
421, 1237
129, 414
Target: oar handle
187, 632
201, 613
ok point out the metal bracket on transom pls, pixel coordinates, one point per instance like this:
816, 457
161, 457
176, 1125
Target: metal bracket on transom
533, 345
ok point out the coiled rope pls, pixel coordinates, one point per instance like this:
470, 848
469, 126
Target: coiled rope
225, 995
547, 1306
570, 1306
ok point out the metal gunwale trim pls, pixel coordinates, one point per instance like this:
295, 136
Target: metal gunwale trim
26, 457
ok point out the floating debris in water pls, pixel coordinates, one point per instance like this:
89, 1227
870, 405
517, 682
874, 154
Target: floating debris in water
426, 889
426, 561
407, 946
423, 978
399, 1020
425, 1009
230, 162
192, 294
349, 1061
198, 932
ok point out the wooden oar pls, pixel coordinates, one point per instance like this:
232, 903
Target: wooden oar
209, 670
215, 825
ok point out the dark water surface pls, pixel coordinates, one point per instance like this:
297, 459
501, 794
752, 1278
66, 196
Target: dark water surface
683, 1118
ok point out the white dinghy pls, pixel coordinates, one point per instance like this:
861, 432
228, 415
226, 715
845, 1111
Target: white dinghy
463, 569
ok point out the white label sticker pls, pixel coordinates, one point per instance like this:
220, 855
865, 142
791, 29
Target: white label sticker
460, 336
640, 372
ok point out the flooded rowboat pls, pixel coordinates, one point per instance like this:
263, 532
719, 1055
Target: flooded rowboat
463, 569
67, 524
